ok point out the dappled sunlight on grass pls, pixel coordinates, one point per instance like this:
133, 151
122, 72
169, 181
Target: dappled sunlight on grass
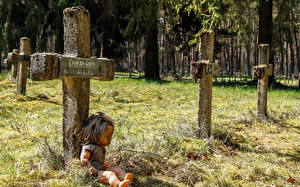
155, 135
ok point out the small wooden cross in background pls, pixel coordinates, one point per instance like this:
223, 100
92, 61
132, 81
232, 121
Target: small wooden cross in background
20, 62
203, 71
261, 73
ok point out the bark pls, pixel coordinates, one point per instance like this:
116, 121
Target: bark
151, 46
23, 66
76, 91
248, 63
297, 50
207, 46
266, 29
262, 85
292, 60
286, 60
231, 67
281, 67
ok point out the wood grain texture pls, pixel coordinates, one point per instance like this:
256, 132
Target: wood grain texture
23, 66
262, 85
207, 45
76, 91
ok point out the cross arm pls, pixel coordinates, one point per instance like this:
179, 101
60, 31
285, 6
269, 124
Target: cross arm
12, 56
48, 66
44, 66
98, 68
15, 57
202, 68
261, 71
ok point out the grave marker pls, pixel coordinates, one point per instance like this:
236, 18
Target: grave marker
44, 66
261, 73
203, 71
23, 65
76, 69
12, 59
19, 61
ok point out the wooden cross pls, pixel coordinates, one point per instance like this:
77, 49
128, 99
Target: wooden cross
20, 62
203, 71
75, 68
12, 60
261, 73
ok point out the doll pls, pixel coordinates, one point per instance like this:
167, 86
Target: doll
95, 135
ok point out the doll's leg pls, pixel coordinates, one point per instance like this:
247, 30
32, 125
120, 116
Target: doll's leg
113, 179
101, 178
121, 173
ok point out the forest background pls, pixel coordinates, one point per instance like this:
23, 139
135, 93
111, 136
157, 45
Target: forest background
160, 37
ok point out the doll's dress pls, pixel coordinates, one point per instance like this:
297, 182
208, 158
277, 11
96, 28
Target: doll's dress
97, 157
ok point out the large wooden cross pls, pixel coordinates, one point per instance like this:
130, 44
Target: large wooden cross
203, 71
75, 68
261, 73
19, 61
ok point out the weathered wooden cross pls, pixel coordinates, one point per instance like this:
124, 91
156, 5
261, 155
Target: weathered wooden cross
261, 73
75, 68
19, 61
12, 61
203, 71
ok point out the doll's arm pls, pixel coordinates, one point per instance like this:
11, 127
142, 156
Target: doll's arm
85, 160
85, 157
105, 164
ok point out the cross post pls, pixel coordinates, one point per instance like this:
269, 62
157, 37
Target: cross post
261, 73
203, 71
75, 68
23, 65
299, 80
12, 60
19, 61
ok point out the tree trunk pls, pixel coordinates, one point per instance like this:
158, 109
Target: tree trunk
286, 59
151, 45
281, 69
297, 50
266, 29
231, 56
292, 56
248, 63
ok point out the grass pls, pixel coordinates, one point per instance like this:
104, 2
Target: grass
155, 135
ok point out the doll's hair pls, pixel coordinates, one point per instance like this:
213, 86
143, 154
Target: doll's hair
93, 128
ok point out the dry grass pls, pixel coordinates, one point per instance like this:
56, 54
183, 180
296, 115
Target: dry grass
154, 138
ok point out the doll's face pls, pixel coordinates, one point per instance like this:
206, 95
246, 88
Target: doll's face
106, 136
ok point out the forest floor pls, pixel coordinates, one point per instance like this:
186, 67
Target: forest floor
155, 135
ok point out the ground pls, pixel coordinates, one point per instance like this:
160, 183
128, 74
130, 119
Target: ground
155, 135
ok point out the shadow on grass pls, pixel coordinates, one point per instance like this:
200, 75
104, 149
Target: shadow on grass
229, 139
235, 141
39, 97
147, 165
232, 140
280, 123
251, 84
292, 156
149, 182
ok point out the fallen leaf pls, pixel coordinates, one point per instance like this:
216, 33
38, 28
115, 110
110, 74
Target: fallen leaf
195, 156
291, 180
